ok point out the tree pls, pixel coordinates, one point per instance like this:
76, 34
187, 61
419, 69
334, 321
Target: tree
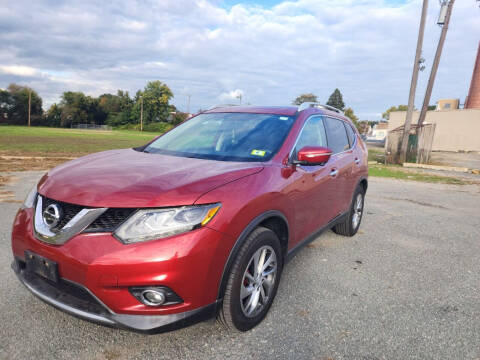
53, 116
118, 108
156, 107
309, 97
362, 126
349, 113
18, 113
386, 114
336, 100
178, 117
7, 104
77, 108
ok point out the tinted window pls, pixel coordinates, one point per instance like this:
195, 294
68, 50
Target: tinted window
337, 135
313, 134
226, 136
350, 134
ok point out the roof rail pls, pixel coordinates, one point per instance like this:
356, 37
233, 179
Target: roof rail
221, 106
307, 105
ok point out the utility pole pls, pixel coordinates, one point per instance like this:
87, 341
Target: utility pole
29, 104
188, 103
436, 62
413, 84
141, 113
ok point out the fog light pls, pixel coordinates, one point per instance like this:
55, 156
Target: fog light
153, 297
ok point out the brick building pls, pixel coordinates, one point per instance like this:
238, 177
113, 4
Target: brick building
473, 98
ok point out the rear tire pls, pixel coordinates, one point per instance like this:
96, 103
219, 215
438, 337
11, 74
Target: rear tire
249, 292
351, 224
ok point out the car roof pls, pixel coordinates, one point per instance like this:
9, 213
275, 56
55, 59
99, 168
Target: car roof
277, 110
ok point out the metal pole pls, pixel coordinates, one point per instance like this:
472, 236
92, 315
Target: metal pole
29, 104
141, 114
188, 104
436, 62
413, 84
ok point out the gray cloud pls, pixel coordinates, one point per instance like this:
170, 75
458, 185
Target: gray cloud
271, 55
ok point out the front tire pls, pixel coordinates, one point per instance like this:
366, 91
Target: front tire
351, 224
253, 281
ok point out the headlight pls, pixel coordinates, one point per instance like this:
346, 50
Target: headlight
152, 224
30, 199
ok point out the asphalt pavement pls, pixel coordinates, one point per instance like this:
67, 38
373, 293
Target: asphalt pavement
407, 286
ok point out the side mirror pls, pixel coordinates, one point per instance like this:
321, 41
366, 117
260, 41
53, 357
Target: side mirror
313, 155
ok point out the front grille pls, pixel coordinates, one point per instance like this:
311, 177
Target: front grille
107, 222
69, 211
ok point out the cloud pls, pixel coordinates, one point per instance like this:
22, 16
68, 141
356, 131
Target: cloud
18, 70
231, 96
272, 54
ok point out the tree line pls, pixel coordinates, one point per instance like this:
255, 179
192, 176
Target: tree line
118, 110
121, 110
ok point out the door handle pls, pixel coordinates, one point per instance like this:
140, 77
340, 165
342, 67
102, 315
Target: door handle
357, 161
334, 172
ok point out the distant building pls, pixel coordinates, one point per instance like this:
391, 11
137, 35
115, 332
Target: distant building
455, 130
448, 104
473, 98
378, 133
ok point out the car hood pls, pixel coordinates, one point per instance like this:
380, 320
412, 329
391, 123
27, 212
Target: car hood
129, 178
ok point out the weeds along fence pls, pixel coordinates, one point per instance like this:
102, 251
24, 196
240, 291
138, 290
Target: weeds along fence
419, 146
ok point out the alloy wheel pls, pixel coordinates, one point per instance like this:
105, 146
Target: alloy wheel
258, 281
357, 211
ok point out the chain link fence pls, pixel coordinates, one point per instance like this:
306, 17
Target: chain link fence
419, 146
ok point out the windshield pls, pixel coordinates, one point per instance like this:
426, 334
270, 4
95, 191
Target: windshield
226, 136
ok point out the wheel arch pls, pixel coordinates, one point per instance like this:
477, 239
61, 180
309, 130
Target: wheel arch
363, 182
273, 220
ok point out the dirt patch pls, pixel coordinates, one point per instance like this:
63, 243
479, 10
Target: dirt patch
8, 180
5, 195
25, 163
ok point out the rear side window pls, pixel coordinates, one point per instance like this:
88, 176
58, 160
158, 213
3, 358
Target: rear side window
337, 135
350, 134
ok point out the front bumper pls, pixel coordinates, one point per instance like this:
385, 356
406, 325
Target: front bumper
104, 270
77, 300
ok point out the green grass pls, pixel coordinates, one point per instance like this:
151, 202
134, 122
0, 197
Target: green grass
43, 141
374, 152
395, 172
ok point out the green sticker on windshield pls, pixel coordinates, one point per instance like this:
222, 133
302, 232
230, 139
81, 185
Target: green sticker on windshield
258, 152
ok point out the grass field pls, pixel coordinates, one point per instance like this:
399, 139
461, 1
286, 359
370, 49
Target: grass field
40, 141
39, 148
396, 172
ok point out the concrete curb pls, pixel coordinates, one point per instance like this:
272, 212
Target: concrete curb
441, 168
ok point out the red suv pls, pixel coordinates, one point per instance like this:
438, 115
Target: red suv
197, 223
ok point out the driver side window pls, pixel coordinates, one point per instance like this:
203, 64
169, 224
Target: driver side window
313, 134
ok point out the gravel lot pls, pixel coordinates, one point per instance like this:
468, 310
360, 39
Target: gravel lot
406, 287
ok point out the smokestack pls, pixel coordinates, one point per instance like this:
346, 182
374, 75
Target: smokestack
473, 98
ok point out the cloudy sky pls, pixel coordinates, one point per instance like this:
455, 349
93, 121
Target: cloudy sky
268, 51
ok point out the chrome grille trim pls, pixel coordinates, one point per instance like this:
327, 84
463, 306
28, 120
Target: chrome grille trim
76, 225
